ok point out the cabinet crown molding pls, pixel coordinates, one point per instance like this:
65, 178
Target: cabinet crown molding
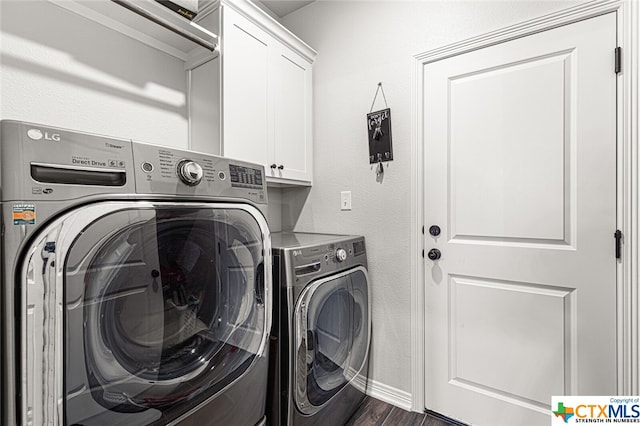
256, 15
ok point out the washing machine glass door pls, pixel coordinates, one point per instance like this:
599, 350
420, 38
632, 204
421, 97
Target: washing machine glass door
163, 307
332, 331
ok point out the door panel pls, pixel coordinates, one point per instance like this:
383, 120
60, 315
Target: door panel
520, 156
487, 348
529, 173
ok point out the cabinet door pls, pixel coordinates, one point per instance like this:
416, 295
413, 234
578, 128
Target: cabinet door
291, 148
245, 59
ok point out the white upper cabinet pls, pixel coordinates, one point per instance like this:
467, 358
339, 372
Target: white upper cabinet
291, 149
245, 89
266, 94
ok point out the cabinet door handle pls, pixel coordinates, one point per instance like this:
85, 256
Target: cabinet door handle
280, 167
273, 166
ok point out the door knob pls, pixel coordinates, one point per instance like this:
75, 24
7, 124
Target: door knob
280, 167
434, 254
273, 166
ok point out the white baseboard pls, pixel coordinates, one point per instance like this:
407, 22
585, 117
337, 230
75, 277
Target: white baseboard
399, 398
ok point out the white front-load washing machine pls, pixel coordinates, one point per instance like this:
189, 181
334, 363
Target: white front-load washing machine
136, 283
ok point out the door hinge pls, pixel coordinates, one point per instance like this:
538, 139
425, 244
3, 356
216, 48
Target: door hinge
617, 66
618, 236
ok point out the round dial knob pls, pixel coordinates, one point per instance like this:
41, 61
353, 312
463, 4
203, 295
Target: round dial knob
190, 172
341, 255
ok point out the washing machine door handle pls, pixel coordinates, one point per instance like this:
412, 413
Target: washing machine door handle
310, 340
306, 348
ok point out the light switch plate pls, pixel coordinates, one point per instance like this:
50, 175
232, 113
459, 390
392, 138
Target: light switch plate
345, 200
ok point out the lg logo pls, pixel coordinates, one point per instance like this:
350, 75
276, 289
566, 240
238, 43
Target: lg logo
37, 134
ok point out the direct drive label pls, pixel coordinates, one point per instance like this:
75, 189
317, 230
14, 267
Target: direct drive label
24, 214
92, 162
87, 161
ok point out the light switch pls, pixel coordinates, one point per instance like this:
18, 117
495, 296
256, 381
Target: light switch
345, 200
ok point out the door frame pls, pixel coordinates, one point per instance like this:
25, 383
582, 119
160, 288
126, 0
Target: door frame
628, 183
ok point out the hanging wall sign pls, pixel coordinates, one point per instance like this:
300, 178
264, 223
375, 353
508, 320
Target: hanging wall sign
379, 129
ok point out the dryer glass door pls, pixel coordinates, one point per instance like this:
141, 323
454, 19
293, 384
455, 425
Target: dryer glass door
163, 306
332, 328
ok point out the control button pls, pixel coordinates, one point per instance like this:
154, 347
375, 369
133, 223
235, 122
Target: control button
222, 175
341, 255
189, 172
147, 167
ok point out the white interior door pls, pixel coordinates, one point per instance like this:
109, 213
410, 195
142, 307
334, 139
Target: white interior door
520, 175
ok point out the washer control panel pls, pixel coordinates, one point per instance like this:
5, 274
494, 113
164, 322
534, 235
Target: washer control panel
341, 255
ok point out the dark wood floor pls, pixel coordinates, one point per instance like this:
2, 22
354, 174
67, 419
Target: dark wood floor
373, 412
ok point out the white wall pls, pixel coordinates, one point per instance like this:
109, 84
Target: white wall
60, 69
274, 213
359, 44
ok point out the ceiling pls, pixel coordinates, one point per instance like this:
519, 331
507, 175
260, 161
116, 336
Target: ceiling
284, 7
